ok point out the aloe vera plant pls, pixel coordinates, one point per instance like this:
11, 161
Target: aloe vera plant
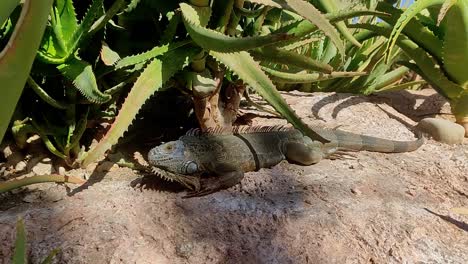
436, 45
217, 47
65, 83
212, 52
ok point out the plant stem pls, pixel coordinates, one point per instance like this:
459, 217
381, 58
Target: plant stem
13, 184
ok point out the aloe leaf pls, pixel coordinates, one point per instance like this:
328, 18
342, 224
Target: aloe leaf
47, 142
286, 77
242, 64
44, 95
82, 76
17, 57
94, 10
330, 7
108, 56
460, 106
171, 29
20, 254
431, 71
17, 183
67, 16
417, 32
209, 39
151, 54
455, 48
401, 86
6, 7
290, 58
386, 79
158, 71
404, 19
303, 27
309, 12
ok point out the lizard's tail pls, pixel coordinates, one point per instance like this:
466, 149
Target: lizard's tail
353, 141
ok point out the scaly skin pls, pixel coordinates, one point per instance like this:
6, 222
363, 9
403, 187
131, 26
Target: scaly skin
228, 155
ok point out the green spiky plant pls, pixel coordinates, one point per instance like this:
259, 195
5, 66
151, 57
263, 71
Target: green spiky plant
435, 43
20, 255
364, 72
224, 38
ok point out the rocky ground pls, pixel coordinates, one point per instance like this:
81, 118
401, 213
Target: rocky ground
376, 208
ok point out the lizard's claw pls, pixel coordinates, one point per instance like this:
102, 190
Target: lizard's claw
342, 154
207, 186
217, 183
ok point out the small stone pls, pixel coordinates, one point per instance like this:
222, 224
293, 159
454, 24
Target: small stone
356, 191
442, 130
20, 166
7, 151
61, 170
42, 168
184, 250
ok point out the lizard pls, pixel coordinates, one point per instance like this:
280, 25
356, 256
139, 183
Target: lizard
228, 154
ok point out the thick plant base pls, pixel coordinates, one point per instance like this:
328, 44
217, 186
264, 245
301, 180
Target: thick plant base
463, 120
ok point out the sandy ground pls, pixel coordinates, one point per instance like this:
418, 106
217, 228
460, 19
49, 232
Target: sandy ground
377, 208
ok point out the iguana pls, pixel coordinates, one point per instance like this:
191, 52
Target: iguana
226, 155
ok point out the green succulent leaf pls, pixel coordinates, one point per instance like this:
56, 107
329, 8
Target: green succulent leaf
330, 6
78, 35
405, 18
44, 95
65, 13
291, 58
385, 80
243, 65
108, 56
6, 7
287, 77
309, 12
20, 253
18, 55
455, 48
425, 65
194, 19
82, 76
156, 73
149, 55
414, 30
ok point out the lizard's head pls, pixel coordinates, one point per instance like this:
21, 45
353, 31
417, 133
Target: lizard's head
173, 157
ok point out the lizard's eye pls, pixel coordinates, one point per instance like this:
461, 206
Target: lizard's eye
169, 147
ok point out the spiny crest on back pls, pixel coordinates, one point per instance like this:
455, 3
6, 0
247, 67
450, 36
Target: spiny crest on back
238, 130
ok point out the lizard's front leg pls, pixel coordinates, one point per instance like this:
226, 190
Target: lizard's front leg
226, 176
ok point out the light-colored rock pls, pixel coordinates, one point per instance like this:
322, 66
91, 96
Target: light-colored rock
61, 170
20, 166
43, 168
442, 130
